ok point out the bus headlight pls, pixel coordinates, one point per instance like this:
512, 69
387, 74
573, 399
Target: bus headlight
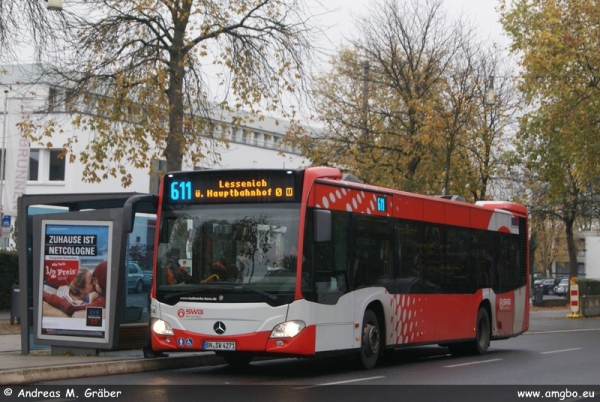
161, 327
288, 329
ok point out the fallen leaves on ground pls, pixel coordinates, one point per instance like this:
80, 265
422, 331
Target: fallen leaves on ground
6, 328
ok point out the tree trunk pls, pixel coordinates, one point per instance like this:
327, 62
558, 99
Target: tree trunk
533, 245
571, 247
173, 151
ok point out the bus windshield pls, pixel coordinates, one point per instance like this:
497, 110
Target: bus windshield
228, 253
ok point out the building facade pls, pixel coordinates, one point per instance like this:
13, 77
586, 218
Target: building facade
588, 257
39, 168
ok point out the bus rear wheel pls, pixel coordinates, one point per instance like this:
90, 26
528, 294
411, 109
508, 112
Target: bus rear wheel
482, 338
370, 343
482, 333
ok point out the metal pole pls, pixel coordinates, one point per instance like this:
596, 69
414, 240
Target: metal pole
2, 243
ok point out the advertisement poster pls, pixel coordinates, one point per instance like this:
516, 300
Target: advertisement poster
75, 276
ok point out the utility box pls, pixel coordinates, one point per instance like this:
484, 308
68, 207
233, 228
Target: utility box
538, 299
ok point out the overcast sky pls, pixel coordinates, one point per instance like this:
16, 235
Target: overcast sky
481, 13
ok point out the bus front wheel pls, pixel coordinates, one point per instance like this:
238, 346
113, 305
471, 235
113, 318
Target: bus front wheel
371, 340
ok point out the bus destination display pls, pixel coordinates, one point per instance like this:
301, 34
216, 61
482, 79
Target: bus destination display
230, 187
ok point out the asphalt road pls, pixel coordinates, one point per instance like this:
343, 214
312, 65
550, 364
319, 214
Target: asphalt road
557, 355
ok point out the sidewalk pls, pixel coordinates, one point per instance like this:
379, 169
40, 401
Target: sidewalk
41, 365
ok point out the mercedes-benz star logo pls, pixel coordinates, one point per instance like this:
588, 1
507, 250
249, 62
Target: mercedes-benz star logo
219, 327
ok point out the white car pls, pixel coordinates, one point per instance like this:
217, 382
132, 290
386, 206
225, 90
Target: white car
562, 289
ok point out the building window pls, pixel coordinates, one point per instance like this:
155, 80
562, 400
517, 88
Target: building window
46, 165
52, 99
34, 165
57, 166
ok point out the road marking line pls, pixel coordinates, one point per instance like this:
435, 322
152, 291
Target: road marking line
559, 351
472, 363
560, 331
341, 382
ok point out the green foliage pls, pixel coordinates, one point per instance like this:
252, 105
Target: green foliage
589, 287
9, 276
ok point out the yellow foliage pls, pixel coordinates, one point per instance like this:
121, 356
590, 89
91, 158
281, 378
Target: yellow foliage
413, 119
138, 85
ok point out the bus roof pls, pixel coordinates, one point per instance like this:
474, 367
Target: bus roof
327, 175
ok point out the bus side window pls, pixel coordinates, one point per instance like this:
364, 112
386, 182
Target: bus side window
484, 251
405, 271
329, 287
432, 273
360, 273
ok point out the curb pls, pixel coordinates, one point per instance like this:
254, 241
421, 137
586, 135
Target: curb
34, 375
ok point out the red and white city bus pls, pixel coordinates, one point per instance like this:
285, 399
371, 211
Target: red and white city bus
308, 262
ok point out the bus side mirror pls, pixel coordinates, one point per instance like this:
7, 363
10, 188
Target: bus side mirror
130, 207
322, 225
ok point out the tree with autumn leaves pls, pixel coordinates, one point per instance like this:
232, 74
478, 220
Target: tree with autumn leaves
557, 44
134, 75
138, 75
403, 106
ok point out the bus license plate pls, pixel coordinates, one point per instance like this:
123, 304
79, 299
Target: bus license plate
209, 345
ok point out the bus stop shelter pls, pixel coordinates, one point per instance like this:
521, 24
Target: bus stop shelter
32, 205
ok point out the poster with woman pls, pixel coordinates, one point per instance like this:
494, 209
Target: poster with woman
74, 277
